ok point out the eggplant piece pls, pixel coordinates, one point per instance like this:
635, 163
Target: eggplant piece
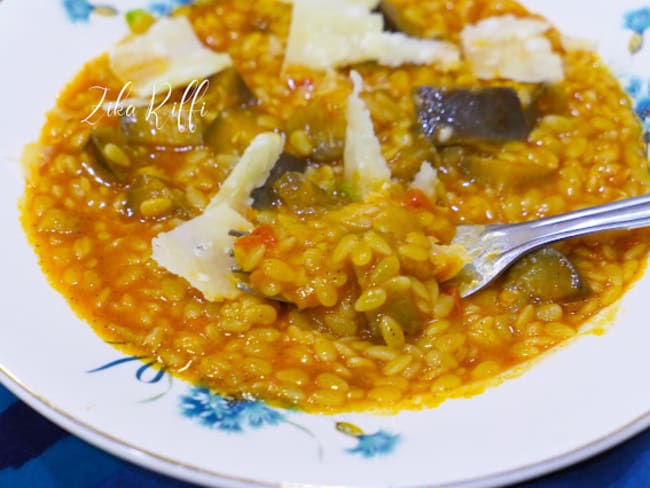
98, 172
109, 157
408, 160
302, 195
166, 126
503, 174
153, 193
396, 21
233, 130
325, 127
266, 196
456, 116
299, 188
403, 309
227, 89
546, 274
546, 100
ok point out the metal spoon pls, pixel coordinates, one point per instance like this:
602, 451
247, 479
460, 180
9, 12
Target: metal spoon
495, 247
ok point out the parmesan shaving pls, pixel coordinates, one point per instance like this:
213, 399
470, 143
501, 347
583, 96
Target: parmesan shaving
251, 172
511, 48
395, 49
198, 250
364, 166
326, 34
167, 56
425, 180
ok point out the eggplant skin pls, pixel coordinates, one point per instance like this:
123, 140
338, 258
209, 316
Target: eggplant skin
164, 127
395, 20
548, 275
265, 196
456, 116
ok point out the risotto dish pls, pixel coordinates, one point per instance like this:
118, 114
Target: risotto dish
262, 196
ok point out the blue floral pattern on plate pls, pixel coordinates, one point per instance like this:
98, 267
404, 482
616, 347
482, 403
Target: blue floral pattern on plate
230, 415
81, 10
638, 21
78, 10
379, 443
369, 445
147, 372
237, 416
166, 7
639, 90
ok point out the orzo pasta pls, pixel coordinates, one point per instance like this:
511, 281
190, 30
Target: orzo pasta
328, 184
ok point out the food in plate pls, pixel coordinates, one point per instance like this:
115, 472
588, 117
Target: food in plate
261, 196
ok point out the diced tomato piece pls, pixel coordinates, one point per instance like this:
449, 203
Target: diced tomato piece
416, 199
458, 301
260, 235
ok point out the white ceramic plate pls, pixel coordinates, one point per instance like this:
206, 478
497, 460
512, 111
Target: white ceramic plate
578, 401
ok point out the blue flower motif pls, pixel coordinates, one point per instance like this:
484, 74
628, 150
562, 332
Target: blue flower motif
639, 90
257, 414
643, 109
634, 87
148, 367
227, 414
380, 443
166, 7
148, 371
78, 10
637, 21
